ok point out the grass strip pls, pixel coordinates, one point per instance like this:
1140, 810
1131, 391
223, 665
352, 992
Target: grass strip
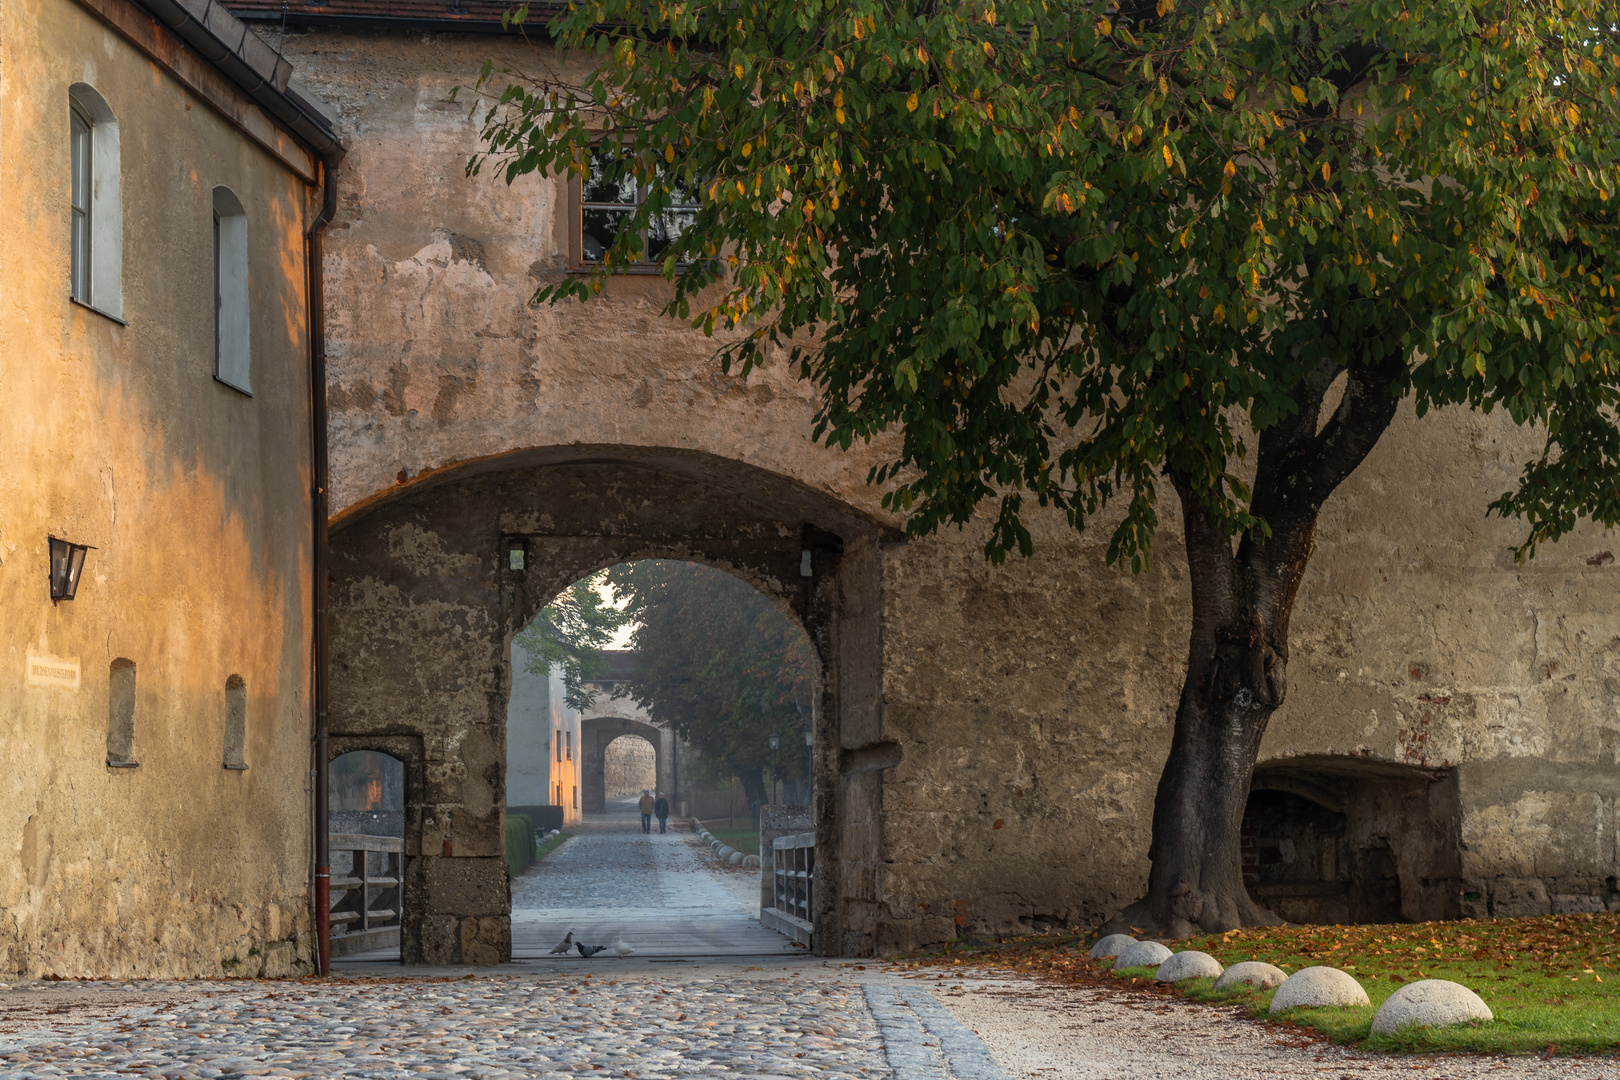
546, 847
1553, 982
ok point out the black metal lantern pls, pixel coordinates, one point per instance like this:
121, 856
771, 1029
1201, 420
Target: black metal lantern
776, 740
67, 563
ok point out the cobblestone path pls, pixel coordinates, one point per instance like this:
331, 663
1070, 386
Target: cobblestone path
644, 1025
666, 895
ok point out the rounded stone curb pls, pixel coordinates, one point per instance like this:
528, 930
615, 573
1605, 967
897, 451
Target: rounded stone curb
735, 858
1430, 1003
1112, 945
1253, 972
725, 852
1142, 954
1190, 964
750, 860
1318, 987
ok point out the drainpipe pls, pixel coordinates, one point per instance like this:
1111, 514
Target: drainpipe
318, 516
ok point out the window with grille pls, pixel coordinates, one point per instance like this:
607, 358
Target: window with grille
605, 207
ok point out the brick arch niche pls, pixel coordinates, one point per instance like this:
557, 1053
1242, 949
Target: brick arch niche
1330, 839
429, 583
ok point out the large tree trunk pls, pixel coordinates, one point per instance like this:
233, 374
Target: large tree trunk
1238, 654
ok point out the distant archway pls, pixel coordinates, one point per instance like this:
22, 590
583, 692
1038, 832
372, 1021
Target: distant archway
596, 733
629, 767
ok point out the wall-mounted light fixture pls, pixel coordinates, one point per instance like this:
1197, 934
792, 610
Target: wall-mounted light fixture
517, 555
67, 563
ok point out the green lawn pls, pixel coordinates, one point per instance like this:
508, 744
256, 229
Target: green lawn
1553, 982
744, 840
546, 847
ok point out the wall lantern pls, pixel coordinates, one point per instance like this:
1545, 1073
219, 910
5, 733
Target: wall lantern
67, 563
809, 738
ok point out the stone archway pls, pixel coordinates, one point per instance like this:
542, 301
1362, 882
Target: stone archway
595, 732
430, 583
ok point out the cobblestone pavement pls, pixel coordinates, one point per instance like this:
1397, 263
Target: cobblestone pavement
665, 895
611, 863
787, 1020
649, 1025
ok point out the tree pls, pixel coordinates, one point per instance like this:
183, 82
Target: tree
1070, 248
718, 664
570, 633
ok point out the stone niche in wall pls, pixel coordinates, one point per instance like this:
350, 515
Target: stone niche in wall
1351, 840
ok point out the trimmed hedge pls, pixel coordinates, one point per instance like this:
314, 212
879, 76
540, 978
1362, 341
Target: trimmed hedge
519, 843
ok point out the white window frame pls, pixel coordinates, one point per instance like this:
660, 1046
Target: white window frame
96, 261
233, 352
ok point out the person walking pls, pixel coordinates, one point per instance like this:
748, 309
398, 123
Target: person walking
661, 808
646, 805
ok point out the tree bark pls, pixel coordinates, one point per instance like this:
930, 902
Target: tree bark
1238, 651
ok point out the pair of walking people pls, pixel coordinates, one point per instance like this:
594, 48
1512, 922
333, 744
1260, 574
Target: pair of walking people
649, 807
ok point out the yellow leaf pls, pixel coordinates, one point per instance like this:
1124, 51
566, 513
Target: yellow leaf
1574, 115
840, 114
1230, 170
1299, 95
669, 153
1104, 27
911, 102
739, 70
1230, 92
1327, 170
1168, 159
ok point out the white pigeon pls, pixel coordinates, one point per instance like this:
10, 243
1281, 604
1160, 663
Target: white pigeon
619, 948
564, 945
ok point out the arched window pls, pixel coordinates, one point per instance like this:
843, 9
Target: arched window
96, 251
121, 714
231, 351
235, 723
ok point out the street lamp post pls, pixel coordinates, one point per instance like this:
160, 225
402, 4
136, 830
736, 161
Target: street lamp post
776, 745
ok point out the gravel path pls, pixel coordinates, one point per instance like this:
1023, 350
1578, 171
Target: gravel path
1037, 1030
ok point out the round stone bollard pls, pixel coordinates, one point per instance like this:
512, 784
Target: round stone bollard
1317, 987
1430, 1003
1112, 945
1191, 964
1142, 954
735, 858
1254, 972
750, 860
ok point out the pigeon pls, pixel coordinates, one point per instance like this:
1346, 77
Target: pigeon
619, 947
563, 945
588, 951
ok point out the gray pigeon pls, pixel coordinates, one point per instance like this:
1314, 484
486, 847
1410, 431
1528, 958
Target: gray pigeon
563, 945
588, 951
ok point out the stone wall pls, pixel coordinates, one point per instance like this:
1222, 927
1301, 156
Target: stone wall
987, 762
195, 497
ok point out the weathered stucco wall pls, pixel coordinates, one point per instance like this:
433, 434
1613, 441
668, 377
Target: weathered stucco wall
194, 496
1003, 774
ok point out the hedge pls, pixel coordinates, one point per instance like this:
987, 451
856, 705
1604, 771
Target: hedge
519, 843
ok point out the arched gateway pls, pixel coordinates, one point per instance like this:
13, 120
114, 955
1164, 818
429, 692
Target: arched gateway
430, 583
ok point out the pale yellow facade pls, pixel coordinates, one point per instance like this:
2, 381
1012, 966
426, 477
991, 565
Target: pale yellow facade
115, 433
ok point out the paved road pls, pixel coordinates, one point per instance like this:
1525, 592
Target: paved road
666, 895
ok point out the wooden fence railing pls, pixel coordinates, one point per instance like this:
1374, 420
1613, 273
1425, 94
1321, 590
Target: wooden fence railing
365, 904
793, 869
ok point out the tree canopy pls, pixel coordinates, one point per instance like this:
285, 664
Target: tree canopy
1064, 244
569, 634
1069, 249
718, 663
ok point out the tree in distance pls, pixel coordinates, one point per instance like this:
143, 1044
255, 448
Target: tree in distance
1071, 249
717, 663
569, 634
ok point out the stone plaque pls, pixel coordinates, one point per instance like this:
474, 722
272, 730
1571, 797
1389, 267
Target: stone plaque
47, 670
